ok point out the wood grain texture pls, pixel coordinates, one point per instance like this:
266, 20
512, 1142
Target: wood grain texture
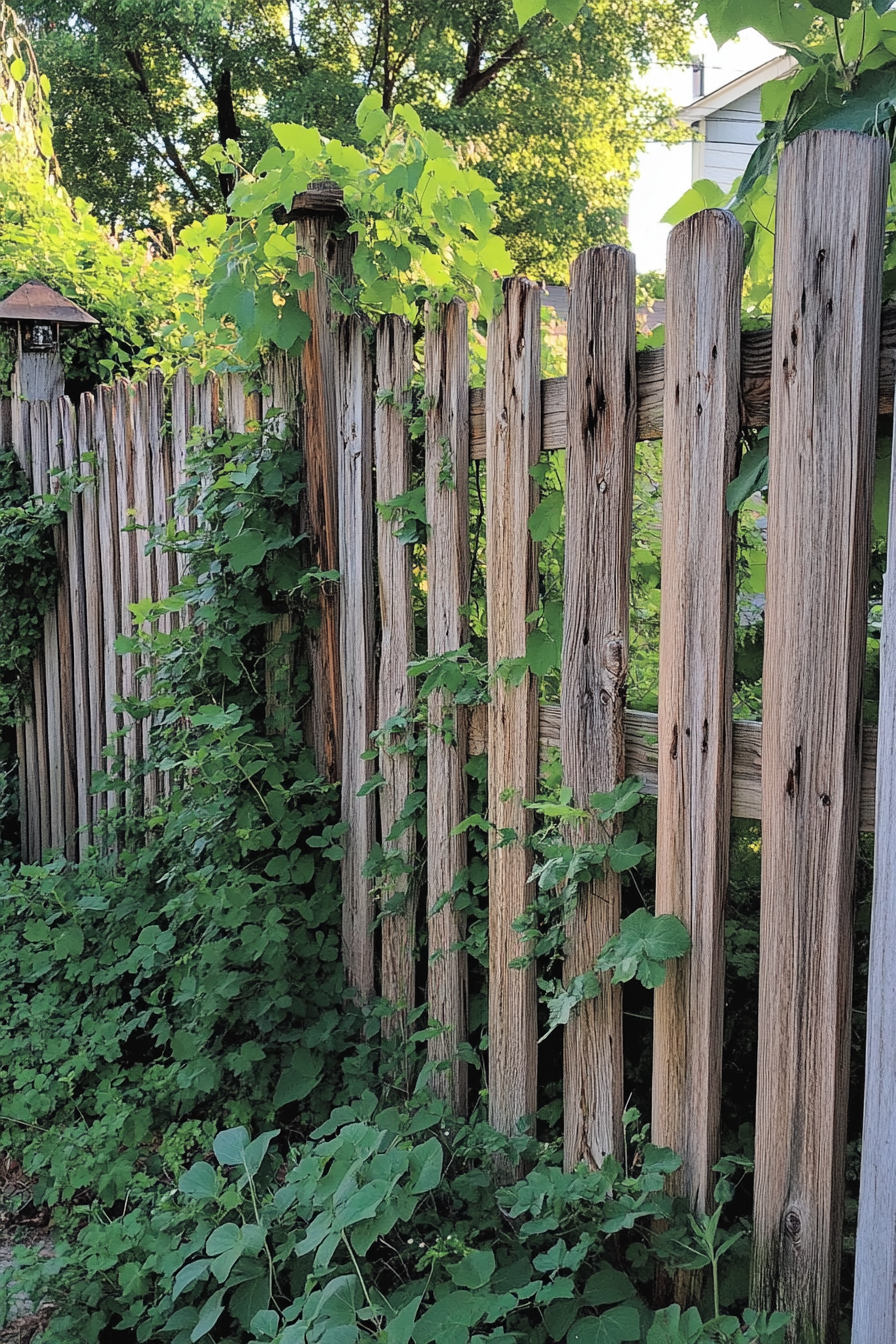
874, 1296
447, 373
354, 421
123, 429
53, 772
828, 262
92, 553
16, 430
329, 258
107, 510
74, 579
513, 445
395, 690
700, 458
755, 381
600, 469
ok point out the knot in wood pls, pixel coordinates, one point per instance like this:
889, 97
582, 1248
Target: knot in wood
793, 1225
614, 659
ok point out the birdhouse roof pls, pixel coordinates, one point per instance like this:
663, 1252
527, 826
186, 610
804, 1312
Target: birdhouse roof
36, 302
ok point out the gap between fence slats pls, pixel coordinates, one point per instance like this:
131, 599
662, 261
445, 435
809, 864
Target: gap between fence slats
354, 463
447, 374
696, 678
392, 447
832, 190
513, 441
600, 468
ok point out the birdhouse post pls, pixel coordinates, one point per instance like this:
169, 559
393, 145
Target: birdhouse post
36, 313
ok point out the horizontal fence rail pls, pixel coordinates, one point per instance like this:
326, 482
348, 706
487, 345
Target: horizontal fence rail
809, 772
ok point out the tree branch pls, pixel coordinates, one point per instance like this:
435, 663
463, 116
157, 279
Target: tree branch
476, 79
135, 61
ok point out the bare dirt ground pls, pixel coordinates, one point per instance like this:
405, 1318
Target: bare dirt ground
21, 1224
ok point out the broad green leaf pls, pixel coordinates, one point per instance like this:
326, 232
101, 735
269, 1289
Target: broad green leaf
616, 1326
642, 946
400, 1328
200, 1181
299, 1079
703, 195
230, 1146
256, 1150
474, 1271
191, 1273
545, 519
266, 1323
426, 1166
626, 851
527, 9
247, 550
208, 1316
753, 476
223, 1238
608, 1286
18, 69
302, 140
542, 654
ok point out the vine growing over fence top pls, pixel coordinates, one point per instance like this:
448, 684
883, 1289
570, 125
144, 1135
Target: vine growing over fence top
424, 225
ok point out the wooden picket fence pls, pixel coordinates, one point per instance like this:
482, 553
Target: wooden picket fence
819, 380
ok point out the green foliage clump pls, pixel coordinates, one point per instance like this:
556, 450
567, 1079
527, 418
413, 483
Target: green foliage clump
28, 574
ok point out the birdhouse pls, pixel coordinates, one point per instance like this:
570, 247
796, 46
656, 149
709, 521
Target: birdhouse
37, 313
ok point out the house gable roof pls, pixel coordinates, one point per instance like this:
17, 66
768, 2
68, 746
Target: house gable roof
729, 93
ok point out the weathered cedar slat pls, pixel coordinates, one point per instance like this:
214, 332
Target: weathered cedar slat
150, 468
93, 552
319, 250
394, 370
107, 511
141, 469
447, 373
696, 677
53, 816
874, 1297
181, 425
600, 468
755, 375
75, 581
14, 429
127, 576
513, 443
832, 188
354, 463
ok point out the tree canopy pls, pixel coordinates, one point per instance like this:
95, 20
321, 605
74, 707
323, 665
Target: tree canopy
551, 111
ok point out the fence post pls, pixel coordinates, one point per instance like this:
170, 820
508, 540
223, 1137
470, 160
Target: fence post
513, 445
394, 370
600, 463
874, 1299
832, 189
448, 583
95, 556
318, 213
354, 393
701, 427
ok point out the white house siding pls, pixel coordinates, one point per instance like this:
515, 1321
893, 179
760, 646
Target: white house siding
729, 137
